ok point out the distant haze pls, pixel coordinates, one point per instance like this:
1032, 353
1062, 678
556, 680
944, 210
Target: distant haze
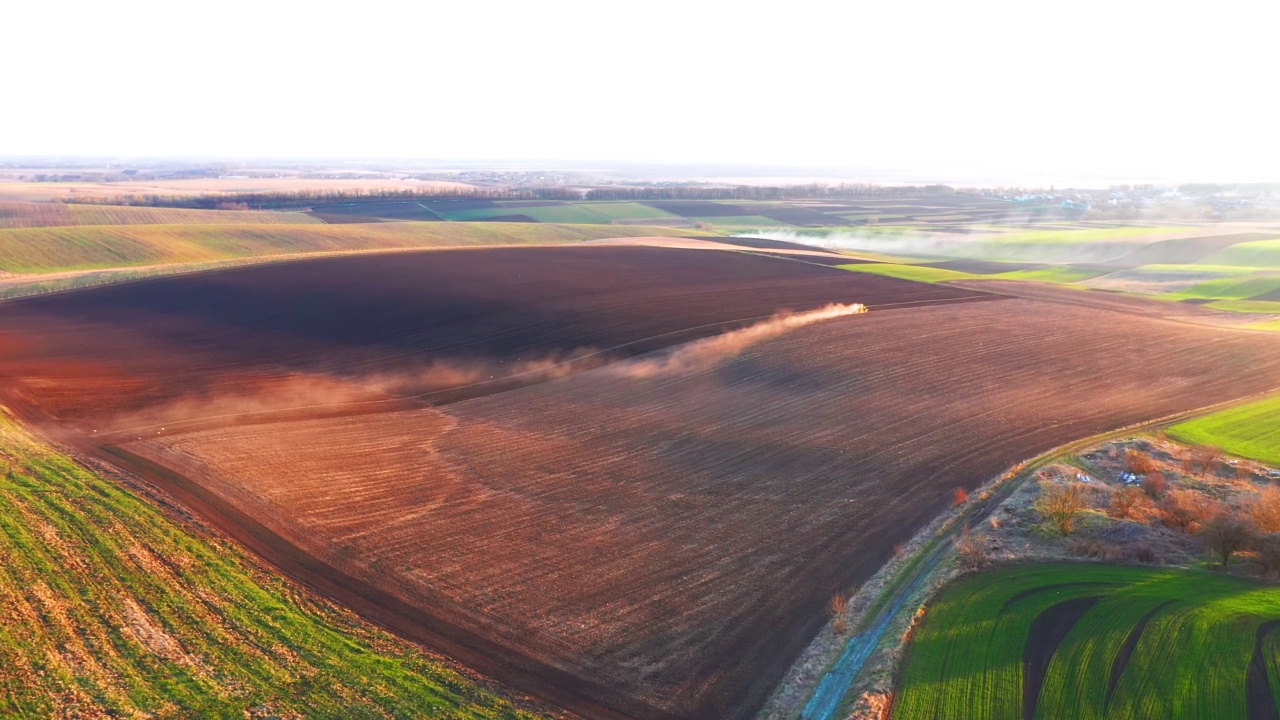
982, 92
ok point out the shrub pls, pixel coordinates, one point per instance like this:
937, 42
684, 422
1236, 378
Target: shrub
1139, 463
961, 497
1114, 553
972, 550
1059, 505
836, 608
1267, 549
1265, 509
1185, 510
1123, 502
1153, 485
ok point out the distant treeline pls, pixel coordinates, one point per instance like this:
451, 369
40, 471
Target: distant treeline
310, 198
754, 192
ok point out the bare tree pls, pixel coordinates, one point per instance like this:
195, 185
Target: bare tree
1207, 458
1226, 533
1059, 505
1124, 501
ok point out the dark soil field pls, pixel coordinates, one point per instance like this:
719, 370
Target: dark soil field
418, 322
655, 536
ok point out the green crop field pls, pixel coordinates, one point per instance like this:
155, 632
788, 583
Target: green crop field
1263, 254
1139, 235
741, 221
1061, 274
1270, 325
912, 272
43, 250
110, 609
1251, 431
1154, 643
1266, 307
51, 214
577, 214
1241, 285
627, 210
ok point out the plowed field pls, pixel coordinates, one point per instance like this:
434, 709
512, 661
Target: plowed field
627, 541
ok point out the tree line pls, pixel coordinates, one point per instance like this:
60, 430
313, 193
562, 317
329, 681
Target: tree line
282, 200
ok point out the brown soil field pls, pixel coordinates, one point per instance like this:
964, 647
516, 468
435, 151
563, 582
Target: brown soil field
672, 539
643, 538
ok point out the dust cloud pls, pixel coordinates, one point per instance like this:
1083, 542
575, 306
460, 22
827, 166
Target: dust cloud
701, 354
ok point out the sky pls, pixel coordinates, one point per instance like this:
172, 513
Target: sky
1144, 90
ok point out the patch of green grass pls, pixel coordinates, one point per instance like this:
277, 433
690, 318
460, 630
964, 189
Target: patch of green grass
1091, 235
1270, 325
1247, 306
1059, 274
627, 210
1262, 254
1232, 287
966, 659
108, 608
1251, 431
741, 221
918, 273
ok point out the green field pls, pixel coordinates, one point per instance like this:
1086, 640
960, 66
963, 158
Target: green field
1061, 274
918, 273
52, 214
968, 657
110, 609
1263, 254
1270, 325
627, 211
1241, 285
573, 214
1251, 431
44, 250
741, 222
1266, 307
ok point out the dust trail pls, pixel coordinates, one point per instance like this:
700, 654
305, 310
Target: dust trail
702, 354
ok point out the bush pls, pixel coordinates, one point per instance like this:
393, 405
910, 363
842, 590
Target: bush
1185, 510
1153, 485
1139, 463
1265, 510
1140, 552
1059, 505
1267, 550
972, 550
961, 497
1123, 502
837, 606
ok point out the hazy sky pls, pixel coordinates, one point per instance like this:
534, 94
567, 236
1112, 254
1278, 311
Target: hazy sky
1161, 89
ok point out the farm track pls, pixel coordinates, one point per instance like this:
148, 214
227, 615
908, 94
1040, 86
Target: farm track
656, 546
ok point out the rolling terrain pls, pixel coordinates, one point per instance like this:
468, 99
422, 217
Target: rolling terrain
654, 534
